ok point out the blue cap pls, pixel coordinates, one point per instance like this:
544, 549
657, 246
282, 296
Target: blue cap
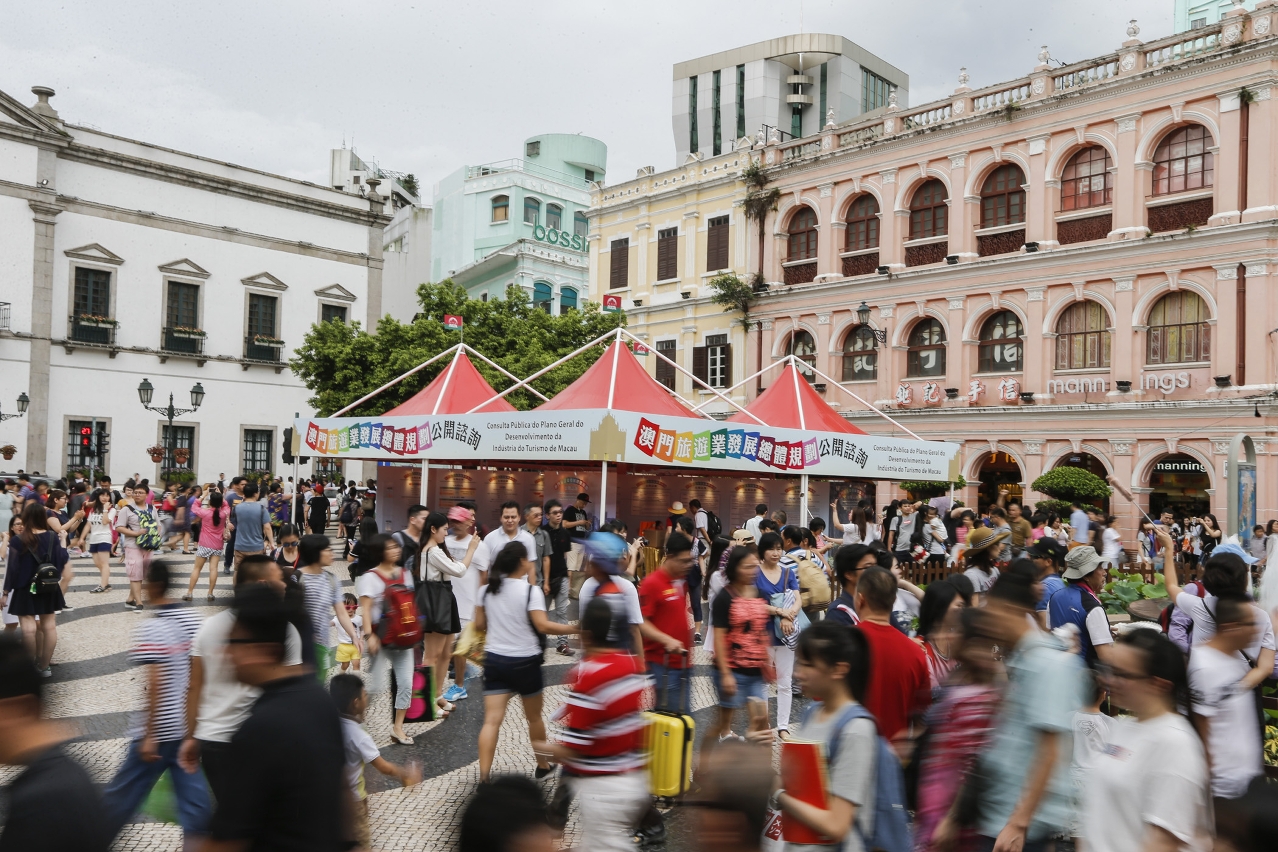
605, 550
1231, 545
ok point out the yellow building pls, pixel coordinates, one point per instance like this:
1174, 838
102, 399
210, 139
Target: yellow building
656, 242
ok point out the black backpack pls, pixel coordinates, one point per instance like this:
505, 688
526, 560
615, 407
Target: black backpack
713, 525
47, 576
348, 511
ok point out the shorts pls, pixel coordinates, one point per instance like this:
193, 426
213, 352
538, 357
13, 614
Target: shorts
512, 674
360, 818
136, 561
100, 547
748, 686
347, 652
207, 552
240, 554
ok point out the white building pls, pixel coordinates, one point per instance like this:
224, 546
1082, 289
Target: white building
122, 261
790, 83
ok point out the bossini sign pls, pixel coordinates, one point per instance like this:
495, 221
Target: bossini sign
1163, 382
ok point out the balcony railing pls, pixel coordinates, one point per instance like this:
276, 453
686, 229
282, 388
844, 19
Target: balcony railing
176, 340
254, 350
516, 165
89, 330
4, 316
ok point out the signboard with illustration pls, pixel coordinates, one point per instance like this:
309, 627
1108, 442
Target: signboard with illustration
623, 436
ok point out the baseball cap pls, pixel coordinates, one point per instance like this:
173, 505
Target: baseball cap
605, 550
1231, 545
1048, 548
1080, 562
583, 497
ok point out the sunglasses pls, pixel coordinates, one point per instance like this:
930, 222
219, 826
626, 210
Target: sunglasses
1107, 671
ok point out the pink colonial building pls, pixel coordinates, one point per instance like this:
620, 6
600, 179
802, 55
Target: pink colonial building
1074, 268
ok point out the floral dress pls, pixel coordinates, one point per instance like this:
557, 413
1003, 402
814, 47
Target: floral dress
960, 725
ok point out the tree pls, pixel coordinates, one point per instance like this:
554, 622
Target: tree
733, 294
759, 202
1072, 484
921, 490
341, 362
409, 182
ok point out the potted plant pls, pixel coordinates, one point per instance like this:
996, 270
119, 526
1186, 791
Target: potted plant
96, 320
156, 453
187, 331
920, 490
266, 340
179, 477
181, 455
8, 451
1072, 484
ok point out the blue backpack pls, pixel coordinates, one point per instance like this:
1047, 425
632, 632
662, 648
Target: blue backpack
891, 831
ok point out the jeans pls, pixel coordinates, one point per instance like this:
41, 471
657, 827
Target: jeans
401, 660
783, 660
610, 807
557, 603
135, 778
672, 690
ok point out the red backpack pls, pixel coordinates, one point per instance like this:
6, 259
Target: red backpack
1164, 618
400, 627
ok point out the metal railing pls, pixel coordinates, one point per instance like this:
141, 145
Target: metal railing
184, 342
254, 351
97, 332
4, 316
517, 165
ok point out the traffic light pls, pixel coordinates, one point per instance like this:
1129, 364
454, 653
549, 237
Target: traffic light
288, 445
104, 444
86, 441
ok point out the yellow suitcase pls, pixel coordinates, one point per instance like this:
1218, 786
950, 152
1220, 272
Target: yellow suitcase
669, 746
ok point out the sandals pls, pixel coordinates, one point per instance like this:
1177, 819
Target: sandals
212, 597
405, 740
186, 598
97, 590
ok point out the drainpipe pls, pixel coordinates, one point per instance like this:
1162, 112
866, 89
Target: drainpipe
758, 340
1240, 350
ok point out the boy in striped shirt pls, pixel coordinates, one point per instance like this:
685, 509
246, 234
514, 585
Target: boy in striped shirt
601, 746
162, 646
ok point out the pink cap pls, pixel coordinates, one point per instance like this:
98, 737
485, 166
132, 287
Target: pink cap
459, 513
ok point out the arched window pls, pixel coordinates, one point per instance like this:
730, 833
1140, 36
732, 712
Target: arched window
803, 347
863, 224
554, 217
1002, 349
860, 355
1002, 199
1082, 337
532, 211
1178, 329
1182, 161
926, 355
803, 235
1086, 181
501, 208
567, 299
542, 296
929, 214
580, 224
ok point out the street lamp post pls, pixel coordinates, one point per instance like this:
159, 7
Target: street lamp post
863, 316
23, 402
146, 391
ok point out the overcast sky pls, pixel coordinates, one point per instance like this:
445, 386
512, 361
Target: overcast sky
427, 87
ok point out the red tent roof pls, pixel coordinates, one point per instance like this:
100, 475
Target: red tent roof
455, 391
792, 403
617, 381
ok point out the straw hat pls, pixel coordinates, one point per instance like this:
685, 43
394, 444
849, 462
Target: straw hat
742, 536
981, 538
676, 508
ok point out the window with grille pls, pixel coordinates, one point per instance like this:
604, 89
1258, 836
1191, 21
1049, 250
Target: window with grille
803, 235
257, 449
543, 296
1178, 330
718, 361
1082, 338
332, 312
929, 213
92, 292
667, 254
554, 217
666, 372
184, 305
532, 211
1182, 161
1002, 349
1002, 199
261, 317
619, 263
1086, 181
717, 244
802, 346
501, 208
580, 224
860, 355
863, 224
926, 352
178, 438
80, 455
329, 470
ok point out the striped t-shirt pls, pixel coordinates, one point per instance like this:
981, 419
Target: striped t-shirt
321, 593
603, 716
164, 640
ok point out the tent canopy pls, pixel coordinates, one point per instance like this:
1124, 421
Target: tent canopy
617, 381
792, 403
458, 389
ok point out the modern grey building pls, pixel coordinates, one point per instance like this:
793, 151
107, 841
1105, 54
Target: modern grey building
789, 83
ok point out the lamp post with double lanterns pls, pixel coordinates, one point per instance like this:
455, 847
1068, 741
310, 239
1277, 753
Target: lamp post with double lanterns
23, 402
146, 391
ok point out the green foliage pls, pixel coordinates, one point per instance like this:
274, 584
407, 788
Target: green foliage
409, 182
1060, 508
733, 294
178, 477
921, 490
1125, 589
759, 202
1072, 483
341, 362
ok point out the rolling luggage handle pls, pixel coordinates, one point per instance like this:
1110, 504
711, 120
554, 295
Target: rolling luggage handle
684, 768
665, 690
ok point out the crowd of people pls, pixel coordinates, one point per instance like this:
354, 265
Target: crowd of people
991, 707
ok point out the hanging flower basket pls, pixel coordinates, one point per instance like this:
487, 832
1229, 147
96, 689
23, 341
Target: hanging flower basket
8, 451
181, 455
156, 453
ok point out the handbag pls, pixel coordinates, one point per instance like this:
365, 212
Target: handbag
786, 600
471, 644
437, 607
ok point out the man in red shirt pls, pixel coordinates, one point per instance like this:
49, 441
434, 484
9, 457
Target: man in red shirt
898, 691
666, 628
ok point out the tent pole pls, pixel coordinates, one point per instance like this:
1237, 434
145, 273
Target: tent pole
603, 495
393, 382
425, 496
803, 499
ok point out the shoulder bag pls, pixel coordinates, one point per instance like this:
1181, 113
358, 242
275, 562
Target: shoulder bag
436, 605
